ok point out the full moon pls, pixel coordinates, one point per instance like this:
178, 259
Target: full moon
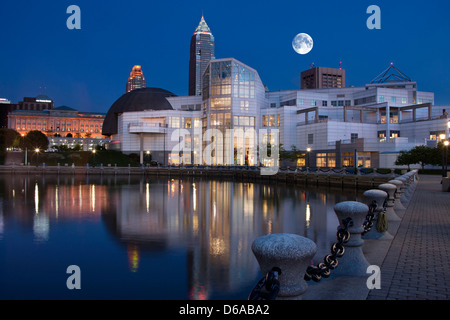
302, 43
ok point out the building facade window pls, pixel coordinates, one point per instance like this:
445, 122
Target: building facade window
348, 159
269, 120
331, 160
382, 136
321, 160
395, 134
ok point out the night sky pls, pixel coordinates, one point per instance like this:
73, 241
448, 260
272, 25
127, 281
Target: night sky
87, 69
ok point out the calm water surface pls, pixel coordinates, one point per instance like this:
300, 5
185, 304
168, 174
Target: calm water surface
148, 238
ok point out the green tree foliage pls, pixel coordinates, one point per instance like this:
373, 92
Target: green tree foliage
35, 139
293, 155
422, 155
405, 159
9, 138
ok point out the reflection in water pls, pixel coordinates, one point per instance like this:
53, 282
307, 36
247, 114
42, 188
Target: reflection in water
1, 219
36, 198
41, 227
213, 222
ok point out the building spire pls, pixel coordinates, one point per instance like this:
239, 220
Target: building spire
202, 27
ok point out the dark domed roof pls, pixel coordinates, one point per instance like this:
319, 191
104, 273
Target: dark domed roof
136, 100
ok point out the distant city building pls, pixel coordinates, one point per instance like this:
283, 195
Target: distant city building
136, 79
40, 103
62, 125
5, 108
321, 77
201, 52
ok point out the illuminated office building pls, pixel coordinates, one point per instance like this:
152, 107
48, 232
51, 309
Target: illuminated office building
201, 52
136, 79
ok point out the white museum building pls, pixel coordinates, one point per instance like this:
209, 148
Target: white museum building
369, 125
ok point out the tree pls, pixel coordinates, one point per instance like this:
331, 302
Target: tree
8, 138
425, 155
420, 154
35, 139
293, 155
405, 158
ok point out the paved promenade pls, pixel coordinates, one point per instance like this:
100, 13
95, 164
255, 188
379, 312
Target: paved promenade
414, 264
417, 264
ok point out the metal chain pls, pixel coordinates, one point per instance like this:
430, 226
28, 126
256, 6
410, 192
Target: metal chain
268, 287
330, 262
368, 223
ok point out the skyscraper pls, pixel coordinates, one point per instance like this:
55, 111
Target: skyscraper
136, 79
202, 51
320, 77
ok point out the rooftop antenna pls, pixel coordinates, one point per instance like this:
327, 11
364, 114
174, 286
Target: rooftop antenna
312, 65
340, 65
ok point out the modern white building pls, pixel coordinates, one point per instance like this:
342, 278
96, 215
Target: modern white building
366, 126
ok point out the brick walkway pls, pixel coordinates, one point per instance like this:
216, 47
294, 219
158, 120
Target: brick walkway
417, 265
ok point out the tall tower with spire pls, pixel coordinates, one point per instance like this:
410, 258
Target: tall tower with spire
202, 51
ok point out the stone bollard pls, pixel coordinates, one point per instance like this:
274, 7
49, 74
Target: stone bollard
353, 262
390, 190
290, 253
404, 188
416, 175
413, 181
398, 195
379, 196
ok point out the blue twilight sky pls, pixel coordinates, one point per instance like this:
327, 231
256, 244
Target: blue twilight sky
87, 69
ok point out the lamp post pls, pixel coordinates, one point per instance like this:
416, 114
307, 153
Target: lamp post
37, 155
147, 156
448, 129
308, 150
93, 153
446, 143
